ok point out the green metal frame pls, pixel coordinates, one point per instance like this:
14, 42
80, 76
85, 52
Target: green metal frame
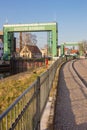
67, 44
51, 28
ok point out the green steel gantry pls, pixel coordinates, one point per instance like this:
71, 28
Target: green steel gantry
51, 28
67, 44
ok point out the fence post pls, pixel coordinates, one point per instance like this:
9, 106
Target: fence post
38, 103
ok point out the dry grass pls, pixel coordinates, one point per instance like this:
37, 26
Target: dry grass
13, 86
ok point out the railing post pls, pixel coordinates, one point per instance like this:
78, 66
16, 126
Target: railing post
36, 123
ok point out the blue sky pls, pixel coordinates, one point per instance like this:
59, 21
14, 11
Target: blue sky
71, 16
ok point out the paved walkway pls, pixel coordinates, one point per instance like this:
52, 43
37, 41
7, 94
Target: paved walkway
71, 105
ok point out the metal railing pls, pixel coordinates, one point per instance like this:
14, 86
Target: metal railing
25, 113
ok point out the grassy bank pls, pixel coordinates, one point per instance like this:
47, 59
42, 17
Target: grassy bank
13, 86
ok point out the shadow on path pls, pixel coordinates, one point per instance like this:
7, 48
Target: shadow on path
68, 110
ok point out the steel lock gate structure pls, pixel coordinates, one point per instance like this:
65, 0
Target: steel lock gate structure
26, 112
66, 44
50, 28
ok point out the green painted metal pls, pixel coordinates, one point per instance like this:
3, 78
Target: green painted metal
71, 44
49, 27
62, 49
49, 40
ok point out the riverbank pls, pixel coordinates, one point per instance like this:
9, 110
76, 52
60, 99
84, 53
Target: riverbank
13, 86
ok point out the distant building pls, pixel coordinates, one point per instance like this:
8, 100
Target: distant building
44, 52
66, 51
1, 49
31, 51
1, 36
74, 51
1, 45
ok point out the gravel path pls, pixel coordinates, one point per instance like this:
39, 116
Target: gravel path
71, 104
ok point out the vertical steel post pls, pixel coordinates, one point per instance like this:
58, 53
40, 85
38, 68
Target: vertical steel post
38, 103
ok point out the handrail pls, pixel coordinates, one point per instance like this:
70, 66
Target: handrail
26, 111
16, 101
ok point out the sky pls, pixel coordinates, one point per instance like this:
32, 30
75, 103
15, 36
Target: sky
71, 16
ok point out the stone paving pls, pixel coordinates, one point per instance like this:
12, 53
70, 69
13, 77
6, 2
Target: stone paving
71, 104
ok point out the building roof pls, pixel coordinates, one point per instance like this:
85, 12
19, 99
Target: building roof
33, 49
74, 51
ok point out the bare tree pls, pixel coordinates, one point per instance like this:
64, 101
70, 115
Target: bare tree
29, 39
83, 47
